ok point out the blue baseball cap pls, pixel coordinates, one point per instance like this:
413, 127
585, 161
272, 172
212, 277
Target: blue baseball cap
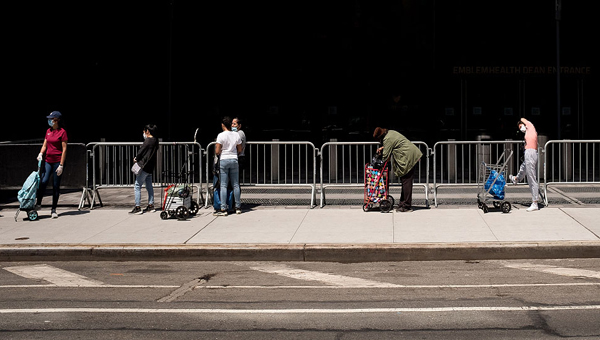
54, 114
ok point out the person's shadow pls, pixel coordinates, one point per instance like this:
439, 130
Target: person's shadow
66, 213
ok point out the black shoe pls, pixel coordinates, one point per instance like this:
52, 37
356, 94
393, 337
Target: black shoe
404, 209
137, 211
149, 208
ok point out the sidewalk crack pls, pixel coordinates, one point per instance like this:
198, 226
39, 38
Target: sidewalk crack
298, 228
488, 226
198, 232
581, 224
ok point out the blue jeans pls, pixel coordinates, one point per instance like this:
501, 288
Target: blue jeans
141, 178
50, 170
230, 171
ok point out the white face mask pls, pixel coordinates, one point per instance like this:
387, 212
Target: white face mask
144, 135
523, 129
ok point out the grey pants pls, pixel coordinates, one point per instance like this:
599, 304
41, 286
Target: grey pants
529, 170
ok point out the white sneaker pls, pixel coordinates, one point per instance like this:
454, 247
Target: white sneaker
533, 207
54, 214
513, 179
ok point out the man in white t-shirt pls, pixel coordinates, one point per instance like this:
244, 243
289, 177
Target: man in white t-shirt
229, 146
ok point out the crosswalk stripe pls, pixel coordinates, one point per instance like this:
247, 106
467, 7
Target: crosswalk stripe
332, 279
573, 272
56, 276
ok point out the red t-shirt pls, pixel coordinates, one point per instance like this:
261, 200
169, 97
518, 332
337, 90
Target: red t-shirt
54, 139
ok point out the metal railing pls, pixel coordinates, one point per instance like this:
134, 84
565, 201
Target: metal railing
457, 163
571, 162
273, 163
342, 164
111, 166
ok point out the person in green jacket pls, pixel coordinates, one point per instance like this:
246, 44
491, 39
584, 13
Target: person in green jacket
405, 156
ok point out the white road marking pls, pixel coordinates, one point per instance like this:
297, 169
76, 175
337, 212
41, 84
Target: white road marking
332, 279
507, 285
58, 277
102, 286
554, 270
299, 311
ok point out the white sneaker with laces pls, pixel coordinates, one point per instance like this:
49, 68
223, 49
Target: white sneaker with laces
533, 207
54, 214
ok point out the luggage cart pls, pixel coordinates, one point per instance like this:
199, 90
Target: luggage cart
27, 196
377, 187
178, 196
491, 183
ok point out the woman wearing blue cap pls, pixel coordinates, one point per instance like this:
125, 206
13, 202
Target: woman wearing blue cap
55, 148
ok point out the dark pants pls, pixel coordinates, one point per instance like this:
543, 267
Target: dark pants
407, 186
50, 171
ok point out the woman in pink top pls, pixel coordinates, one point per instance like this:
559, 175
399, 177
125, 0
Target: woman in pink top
55, 148
528, 168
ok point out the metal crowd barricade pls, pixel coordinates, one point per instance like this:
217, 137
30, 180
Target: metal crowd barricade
111, 166
273, 164
342, 164
456, 163
571, 162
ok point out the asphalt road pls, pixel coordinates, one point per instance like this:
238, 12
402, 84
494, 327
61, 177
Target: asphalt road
523, 299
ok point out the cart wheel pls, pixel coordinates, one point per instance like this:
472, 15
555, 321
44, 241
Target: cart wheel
32, 215
385, 205
505, 207
366, 207
485, 208
391, 198
194, 207
496, 204
182, 212
164, 215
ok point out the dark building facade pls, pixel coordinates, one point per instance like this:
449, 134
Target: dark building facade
303, 71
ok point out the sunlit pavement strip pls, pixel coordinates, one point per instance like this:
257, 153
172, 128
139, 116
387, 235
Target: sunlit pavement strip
554, 270
337, 280
298, 311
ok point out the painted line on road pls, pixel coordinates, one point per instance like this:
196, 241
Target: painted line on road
306, 275
299, 311
572, 272
507, 285
102, 286
57, 276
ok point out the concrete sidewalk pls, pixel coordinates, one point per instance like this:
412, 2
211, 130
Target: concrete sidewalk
333, 233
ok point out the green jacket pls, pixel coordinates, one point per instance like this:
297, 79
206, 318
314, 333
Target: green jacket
404, 152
